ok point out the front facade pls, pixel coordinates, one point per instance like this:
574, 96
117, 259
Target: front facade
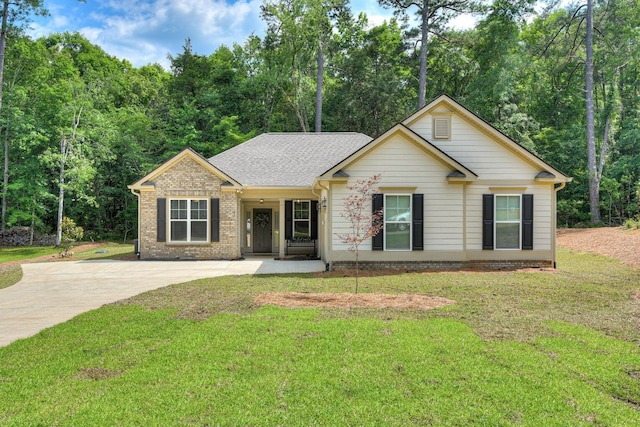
454, 193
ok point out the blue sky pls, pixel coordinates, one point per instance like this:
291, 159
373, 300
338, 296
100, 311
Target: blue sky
146, 31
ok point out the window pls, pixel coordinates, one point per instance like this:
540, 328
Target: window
507, 224
397, 222
301, 219
188, 219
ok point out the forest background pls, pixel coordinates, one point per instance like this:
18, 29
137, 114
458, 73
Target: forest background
77, 119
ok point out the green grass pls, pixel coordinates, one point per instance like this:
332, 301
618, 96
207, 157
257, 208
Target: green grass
12, 274
519, 348
19, 253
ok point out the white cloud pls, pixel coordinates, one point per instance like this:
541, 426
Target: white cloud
147, 31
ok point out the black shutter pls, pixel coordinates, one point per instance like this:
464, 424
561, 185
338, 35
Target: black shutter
487, 221
378, 205
418, 223
527, 221
215, 220
288, 219
314, 219
161, 220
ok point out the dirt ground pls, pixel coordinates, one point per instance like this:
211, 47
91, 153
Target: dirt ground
614, 242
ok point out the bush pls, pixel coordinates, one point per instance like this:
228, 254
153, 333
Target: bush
70, 233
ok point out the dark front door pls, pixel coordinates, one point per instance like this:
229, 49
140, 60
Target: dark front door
262, 230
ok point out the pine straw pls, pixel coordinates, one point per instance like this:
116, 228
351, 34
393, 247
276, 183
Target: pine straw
349, 300
614, 242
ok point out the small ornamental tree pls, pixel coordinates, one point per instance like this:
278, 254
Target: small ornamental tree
70, 233
365, 223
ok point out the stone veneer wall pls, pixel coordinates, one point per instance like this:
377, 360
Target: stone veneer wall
188, 179
442, 265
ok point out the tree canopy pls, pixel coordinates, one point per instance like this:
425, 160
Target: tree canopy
523, 72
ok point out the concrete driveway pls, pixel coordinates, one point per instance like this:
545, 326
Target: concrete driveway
52, 293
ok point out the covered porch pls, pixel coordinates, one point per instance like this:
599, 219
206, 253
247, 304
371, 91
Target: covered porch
280, 224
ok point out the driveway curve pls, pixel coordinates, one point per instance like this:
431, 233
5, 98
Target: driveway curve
52, 293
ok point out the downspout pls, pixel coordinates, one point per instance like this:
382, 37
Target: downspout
554, 231
325, 225
137, 194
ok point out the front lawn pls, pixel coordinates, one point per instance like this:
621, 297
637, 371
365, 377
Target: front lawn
519, 348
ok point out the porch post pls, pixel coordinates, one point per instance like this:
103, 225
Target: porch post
282, 245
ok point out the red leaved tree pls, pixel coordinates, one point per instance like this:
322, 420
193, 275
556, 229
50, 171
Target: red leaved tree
365, 223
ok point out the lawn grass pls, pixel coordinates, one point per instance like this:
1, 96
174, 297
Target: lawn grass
519, 348
12, 274
19, 253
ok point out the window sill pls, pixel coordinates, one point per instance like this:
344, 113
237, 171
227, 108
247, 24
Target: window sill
188, 243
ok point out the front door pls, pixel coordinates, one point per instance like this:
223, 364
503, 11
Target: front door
262, 230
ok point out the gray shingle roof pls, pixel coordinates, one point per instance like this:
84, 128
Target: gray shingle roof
287, 159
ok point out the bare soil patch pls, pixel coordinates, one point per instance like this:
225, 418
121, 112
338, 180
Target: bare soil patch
614, 242
349, 301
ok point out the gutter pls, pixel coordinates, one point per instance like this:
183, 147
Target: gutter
137, 246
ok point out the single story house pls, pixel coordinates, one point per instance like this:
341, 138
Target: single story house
454, 192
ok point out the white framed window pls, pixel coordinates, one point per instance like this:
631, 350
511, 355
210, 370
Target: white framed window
397, 222
508, 221
188, 220
301, 219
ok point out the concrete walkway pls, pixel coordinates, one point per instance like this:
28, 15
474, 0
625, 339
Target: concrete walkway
52, 293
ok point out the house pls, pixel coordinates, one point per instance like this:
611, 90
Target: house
454, 191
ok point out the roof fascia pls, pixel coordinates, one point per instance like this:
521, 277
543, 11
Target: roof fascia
413, 137
490, 130
186, 153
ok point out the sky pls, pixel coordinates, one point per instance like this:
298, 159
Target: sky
147, 31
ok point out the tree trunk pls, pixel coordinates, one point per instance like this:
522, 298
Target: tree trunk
424, 48
594, 182
63, 153
5, 180
319, 82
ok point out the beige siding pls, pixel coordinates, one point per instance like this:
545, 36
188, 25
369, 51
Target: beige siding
543, 217
403, 164
476, 150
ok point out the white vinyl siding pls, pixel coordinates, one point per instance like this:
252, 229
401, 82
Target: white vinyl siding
401, 163
544, 217
188, 220
476, 150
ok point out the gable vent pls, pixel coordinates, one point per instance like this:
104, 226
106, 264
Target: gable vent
442, 128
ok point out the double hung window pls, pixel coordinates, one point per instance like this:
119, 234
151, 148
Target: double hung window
397, 222
188, 220
508, 221
301, 219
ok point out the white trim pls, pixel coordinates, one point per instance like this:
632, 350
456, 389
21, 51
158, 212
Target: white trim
294, 220
409, 222
496, 222
188, 219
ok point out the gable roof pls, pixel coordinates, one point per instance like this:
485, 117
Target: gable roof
489, 129
458, 170
146, 182
287, 159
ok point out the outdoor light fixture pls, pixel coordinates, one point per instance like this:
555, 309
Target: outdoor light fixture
261, 201
323, 203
